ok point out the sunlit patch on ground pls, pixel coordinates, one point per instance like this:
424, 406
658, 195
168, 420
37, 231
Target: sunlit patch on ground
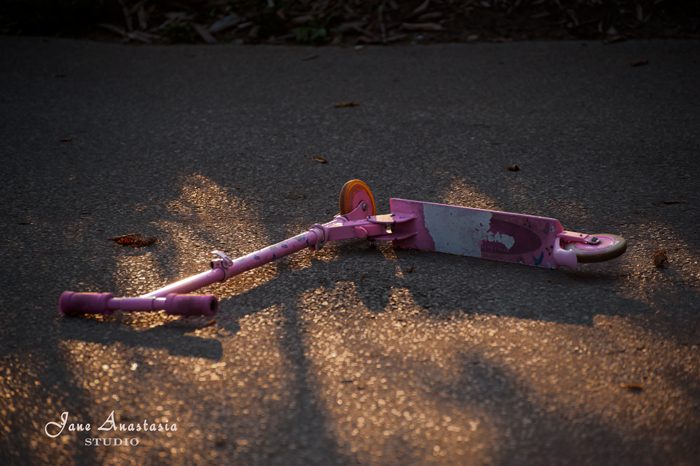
255, 375
394, 349
439, 369
135, 275
461, 193
209, 217
26, 405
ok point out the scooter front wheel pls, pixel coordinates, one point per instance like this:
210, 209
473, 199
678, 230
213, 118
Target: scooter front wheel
609, 247
353, 194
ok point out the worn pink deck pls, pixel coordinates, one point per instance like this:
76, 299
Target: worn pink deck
524, 239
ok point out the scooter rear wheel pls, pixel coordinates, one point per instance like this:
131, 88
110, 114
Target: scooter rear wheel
353, 194
610, 247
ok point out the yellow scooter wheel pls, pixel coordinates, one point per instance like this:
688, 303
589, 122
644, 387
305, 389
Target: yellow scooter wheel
353, 194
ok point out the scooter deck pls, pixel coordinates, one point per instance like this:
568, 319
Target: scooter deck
523, 239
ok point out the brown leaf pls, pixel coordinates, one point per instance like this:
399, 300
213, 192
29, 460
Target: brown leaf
640, 63
345, 104
410, 269
635, 387
660, 258
66, 139
134, 240
513, 168
320, 160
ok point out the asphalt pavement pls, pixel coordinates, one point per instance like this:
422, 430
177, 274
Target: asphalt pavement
352, 354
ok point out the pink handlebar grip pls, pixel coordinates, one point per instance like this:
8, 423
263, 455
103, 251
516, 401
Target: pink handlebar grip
105, 303
85, 303
191, 305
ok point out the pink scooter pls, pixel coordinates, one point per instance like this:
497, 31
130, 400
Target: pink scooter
524, 239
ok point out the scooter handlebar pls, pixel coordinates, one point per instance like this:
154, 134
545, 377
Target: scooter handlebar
191, 304
85, 303
72, 303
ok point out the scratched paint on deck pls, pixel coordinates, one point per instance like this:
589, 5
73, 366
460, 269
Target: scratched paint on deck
524, 239
461, 231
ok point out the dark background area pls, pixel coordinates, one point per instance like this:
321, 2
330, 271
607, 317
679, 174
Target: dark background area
352, 22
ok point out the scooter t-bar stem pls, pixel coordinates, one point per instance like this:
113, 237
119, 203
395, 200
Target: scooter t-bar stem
225, 268
173, 298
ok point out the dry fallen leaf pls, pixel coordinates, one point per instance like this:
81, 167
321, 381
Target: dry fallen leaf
320, 160
345, 104
66, 139
660, 258
640, 63
134, 240
410, 269
632, 387
513, 168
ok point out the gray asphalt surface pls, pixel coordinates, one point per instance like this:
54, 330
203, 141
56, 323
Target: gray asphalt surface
352, 354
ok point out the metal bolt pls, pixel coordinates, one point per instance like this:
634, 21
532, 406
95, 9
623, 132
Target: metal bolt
364, 206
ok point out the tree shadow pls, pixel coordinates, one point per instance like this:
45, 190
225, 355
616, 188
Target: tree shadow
39, 385
170, 336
